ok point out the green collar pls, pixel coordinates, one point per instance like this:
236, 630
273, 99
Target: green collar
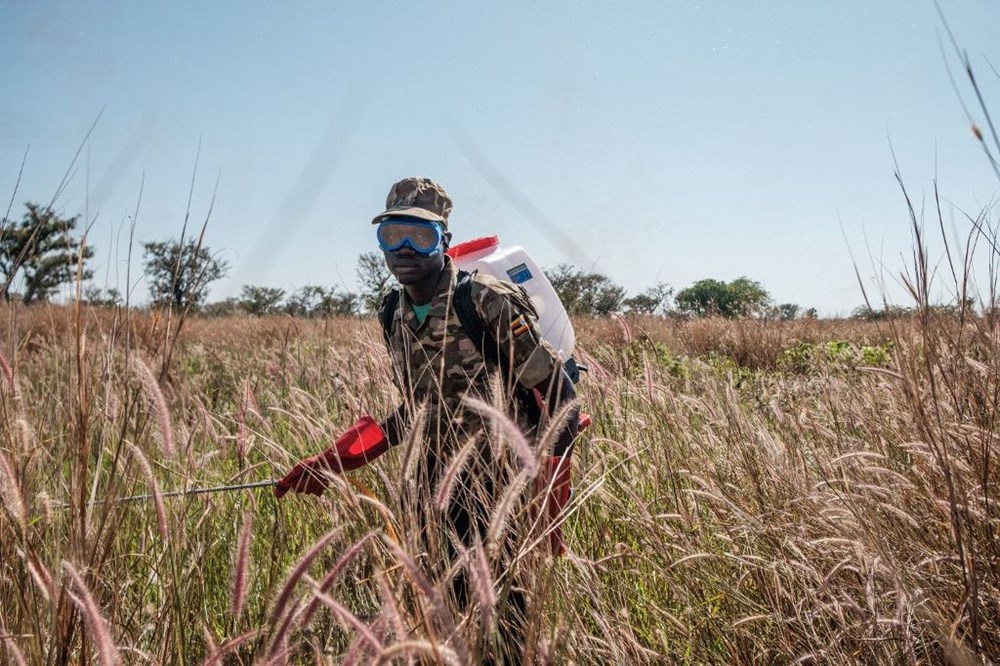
421, 311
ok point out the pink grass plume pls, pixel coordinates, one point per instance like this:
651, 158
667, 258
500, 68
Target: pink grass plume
158, 404
106, 650
240, 568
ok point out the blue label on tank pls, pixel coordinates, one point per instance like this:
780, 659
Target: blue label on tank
519, 274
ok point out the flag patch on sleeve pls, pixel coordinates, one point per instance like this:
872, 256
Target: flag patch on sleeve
519, 325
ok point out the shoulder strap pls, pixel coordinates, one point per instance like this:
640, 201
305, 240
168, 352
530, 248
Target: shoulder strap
481, 334
472, 323
486, 342
388, 311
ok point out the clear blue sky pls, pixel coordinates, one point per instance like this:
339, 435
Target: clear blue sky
674, 140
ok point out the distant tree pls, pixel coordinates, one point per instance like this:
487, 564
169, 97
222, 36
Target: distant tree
890, 311
41, 248
740, 298
787, 311
747, 298
317, 301
642, 304
867, 313
261, 301
224, 308
180, 274
302, 301
703, 298
953, 309
374, 279
94, 295
581, 293
810, 313
336, 303
654, 300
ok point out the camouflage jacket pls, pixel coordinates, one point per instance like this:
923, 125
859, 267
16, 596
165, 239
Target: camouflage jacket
437, 366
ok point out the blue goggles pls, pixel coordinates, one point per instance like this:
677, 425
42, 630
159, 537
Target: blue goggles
424, 238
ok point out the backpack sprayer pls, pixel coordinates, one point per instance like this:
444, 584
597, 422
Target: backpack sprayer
515, 265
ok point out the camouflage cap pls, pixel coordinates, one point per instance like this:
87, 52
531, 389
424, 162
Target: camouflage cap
417, 197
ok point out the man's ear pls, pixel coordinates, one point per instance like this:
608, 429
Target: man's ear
447, 240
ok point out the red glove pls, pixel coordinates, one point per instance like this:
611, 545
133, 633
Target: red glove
364, 442
554, 485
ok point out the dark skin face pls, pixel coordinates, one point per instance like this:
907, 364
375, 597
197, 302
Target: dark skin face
419, 274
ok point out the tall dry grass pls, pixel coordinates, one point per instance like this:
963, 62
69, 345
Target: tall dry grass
729, 506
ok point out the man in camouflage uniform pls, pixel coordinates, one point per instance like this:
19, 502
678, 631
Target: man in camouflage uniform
445, 381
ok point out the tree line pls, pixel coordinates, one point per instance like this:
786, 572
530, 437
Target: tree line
41, 249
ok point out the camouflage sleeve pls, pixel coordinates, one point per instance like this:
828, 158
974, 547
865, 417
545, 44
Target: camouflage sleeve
508, 313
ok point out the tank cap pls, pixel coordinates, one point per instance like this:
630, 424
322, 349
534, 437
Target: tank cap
474, 245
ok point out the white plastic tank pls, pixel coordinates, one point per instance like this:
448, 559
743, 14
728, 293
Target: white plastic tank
513, 264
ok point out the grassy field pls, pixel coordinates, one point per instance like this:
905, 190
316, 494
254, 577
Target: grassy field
750, 492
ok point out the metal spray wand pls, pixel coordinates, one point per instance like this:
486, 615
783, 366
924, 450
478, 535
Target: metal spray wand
184, 493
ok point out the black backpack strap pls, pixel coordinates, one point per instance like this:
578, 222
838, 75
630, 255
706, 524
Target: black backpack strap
486, 342
472, 323
385, 315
